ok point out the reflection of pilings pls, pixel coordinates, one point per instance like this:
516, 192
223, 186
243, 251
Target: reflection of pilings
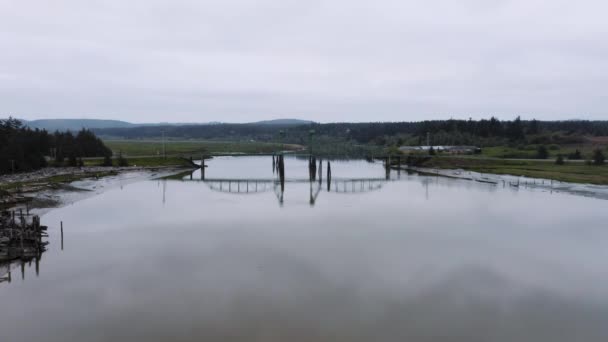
388, 168
274, 164
312, 168
312, 200
314, 193
282, 172
328, 176
320, 171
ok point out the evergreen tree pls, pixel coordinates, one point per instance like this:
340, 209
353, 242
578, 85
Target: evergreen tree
122, 161
533, 127
575, 156
515, 130
24, 149
107, 160
542, 152
598, 157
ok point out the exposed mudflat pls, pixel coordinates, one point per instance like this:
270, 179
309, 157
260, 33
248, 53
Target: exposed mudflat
588, 190
38, 194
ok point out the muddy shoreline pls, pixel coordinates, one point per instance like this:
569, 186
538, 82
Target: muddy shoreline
41, 190
515, 182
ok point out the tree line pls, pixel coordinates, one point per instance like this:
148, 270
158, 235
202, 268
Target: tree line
26, 149
487, 132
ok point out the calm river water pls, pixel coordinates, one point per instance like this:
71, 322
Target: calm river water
412, 258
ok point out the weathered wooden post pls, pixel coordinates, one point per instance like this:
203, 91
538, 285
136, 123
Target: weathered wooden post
328, 176
22, 232
61, 235
388, 168
399, 165
203, 166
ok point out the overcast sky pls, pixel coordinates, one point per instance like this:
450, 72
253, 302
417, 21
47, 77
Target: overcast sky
338, 60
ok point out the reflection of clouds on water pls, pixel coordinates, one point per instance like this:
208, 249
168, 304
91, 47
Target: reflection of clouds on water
238, 286
474, 262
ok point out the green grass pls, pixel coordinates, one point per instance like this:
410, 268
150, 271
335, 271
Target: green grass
194, 147
570, 172
530, 151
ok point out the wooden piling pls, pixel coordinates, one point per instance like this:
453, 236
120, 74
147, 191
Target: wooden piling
203, 166
328, 176
20, 240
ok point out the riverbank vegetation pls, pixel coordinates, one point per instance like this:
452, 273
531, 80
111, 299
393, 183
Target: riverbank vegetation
579, 172
25, 149
498, 138
156, 147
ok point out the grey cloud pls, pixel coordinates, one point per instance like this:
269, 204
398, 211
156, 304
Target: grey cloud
322, 60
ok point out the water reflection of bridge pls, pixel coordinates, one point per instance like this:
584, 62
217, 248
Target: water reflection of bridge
279, 180
252, 186
261, 185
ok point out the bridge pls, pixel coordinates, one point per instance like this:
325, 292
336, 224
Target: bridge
277, 183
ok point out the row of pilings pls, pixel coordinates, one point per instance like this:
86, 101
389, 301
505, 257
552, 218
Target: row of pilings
390, 162
20, 239
314, 172
278, 166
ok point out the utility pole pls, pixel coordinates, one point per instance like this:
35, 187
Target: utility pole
164, 149
282, 135
310, 134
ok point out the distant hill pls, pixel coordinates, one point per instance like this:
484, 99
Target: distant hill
52, 125
283, 122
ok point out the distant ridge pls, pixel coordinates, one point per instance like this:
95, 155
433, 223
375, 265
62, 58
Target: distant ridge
283, 122
76, 124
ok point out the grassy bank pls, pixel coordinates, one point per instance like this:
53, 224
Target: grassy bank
531, 151
194, 147
570, 172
